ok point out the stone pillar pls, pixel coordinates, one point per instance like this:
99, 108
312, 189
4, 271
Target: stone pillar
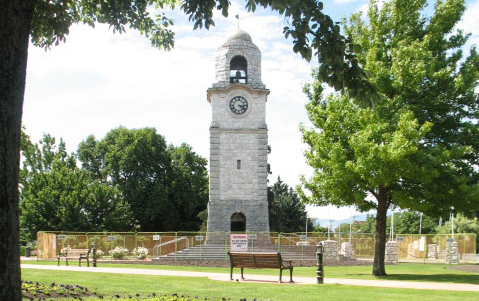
432, 251
391, 252
330, 250
452, 253
347, 250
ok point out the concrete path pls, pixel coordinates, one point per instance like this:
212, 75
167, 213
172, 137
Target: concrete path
267, 279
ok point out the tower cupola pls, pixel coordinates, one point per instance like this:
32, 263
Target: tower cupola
238, 61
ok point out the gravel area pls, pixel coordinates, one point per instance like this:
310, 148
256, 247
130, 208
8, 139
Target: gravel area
469, 268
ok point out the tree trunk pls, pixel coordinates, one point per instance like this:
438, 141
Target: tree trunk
380, 242
15, 19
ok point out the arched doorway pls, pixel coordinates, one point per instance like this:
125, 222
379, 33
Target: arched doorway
238, 222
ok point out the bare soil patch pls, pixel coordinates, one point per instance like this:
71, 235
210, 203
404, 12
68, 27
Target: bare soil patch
468, 268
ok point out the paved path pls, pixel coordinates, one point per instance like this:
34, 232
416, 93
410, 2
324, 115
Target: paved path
267, 279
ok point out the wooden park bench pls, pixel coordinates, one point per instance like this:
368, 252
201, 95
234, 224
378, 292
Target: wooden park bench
77, 254
260, 261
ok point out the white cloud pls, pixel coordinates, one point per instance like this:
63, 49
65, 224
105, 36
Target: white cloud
470, 23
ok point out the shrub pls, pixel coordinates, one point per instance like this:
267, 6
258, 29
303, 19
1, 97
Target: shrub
65, 249
99, 254
118, 252
140, 253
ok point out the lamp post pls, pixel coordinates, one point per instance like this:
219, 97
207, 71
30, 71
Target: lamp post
420, 223
452, 221
306, 223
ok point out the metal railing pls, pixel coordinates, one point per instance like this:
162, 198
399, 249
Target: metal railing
301, 246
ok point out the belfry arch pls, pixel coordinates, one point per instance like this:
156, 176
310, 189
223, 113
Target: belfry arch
238, 70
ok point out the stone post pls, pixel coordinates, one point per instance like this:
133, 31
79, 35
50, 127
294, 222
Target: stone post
347, 250
391, 255
452, 253
432, 251
330, 250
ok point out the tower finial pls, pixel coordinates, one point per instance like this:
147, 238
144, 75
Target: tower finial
237, 17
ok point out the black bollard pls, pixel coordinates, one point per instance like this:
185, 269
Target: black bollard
93, 247
319, 263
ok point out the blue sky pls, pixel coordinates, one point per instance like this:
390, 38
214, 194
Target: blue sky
98, 81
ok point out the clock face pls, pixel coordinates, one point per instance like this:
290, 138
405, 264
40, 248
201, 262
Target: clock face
238, 105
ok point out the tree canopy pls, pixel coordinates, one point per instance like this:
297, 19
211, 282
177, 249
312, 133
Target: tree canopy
417, 146
165, 186
286, 212
405, 222
56, 195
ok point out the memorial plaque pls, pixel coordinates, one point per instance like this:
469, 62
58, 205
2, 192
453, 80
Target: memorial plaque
199, 238
449, 240
303, 237
252, 236
399, 238
156, 237
111, 238
62, 236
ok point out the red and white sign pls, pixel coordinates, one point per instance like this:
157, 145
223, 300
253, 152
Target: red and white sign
239, 242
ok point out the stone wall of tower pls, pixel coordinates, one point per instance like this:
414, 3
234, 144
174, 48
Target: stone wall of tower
234, 138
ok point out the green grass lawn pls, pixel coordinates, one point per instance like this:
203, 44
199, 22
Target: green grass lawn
124, 284
403, 271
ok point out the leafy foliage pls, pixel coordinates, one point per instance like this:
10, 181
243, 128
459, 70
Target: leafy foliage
40, 291
405, 222
417, 147
462, 224
56, 195
286, 212
166, 187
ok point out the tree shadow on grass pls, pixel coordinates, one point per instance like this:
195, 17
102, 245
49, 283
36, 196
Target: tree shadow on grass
452, 278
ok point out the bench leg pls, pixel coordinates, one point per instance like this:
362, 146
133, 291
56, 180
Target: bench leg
66, 260
87, 262
291, 275
231, 273
58, 261
242, 277
79, 262
280, 275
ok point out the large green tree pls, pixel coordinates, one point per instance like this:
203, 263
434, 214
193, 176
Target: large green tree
166, 187
47, 23
286, 212
56, 195
188, 188
417, 146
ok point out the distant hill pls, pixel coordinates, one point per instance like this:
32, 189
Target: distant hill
324, 222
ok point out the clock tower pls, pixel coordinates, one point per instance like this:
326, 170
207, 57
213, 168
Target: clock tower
238, 200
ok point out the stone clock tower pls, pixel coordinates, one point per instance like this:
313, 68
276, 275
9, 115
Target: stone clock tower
238, 141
